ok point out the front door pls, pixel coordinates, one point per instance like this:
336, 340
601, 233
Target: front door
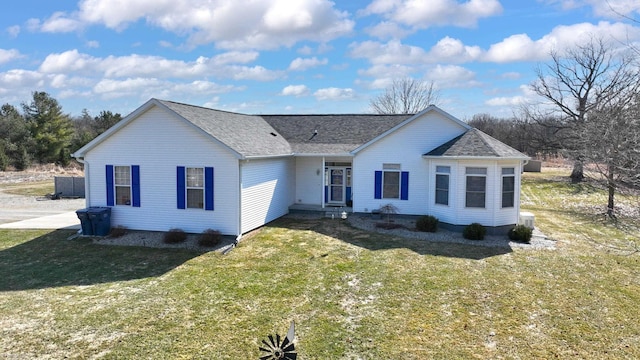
336, 185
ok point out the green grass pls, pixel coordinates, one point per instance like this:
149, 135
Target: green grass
34, 188
352, 294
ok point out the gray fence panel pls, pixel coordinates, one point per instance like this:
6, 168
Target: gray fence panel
69, 186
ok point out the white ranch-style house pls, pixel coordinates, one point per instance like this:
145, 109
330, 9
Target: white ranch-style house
172, 165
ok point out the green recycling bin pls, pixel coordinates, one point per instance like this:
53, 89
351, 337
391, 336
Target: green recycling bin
85, 222
100, 218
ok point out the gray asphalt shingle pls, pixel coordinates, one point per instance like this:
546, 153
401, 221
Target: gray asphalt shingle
475, 143
248, 135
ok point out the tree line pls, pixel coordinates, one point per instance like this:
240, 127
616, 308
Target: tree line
42, 133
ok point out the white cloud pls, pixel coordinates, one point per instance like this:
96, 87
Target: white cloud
16, 79
526, 96
13, 31
59, 22
452, 76
93, 44
334, 93
295, 90
264, 24
393, 52
521, 47
425, 14
300, 64
453, 50
133, 66
388, 30
609, 8
9, 55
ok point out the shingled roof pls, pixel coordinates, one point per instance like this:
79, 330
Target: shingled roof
248, 135
475, 143
331, 134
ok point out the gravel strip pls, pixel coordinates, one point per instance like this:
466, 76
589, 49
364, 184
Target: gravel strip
154, 239
365, 222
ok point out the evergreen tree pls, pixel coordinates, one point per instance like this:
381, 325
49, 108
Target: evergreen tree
51, 129
15, 138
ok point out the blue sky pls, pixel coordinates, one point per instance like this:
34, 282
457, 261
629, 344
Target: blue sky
284, 56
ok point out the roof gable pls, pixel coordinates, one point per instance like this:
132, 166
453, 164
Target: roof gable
244, 135
411, 118
475, 143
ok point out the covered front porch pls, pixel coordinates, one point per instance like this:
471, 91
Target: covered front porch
323, 183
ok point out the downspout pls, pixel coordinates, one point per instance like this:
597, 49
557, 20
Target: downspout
322, 174
239, 235
87, 181
522, 165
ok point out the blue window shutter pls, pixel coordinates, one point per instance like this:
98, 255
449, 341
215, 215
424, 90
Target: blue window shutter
181, 188
135, 185
208, 188
109, 182
404, 185
378, 185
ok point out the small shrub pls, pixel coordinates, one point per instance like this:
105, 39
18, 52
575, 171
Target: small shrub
474, 231
209, 237
117, 231
520, 233
427, 223
174, 236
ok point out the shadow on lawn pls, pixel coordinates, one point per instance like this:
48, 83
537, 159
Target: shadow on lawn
374, 241
53, 261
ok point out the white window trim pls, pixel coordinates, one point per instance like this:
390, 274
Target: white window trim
446, 173
513, 192
187, 187
470, 173
116, 185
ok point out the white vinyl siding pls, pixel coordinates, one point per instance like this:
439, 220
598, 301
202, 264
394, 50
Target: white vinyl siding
172, 142
406, 146
267, 191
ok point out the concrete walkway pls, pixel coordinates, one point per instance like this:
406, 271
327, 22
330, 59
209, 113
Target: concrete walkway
67, 220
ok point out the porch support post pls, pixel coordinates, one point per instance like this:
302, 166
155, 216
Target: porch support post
322, 173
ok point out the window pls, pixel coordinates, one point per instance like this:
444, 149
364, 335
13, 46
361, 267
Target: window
122, 182
442, 184
508, 187
195, 188
123, 185
476, 187
391, 183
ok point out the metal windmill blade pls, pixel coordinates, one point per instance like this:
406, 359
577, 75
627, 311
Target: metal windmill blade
274, 349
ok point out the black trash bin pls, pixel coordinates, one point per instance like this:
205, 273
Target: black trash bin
85, 222
100, 220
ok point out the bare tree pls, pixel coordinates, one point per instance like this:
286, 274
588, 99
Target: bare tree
576, 83
612, 144
406, 96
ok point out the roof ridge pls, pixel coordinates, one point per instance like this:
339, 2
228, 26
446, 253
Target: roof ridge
204, 107
483, 137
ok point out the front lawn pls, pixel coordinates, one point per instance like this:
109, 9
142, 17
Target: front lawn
352, 294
